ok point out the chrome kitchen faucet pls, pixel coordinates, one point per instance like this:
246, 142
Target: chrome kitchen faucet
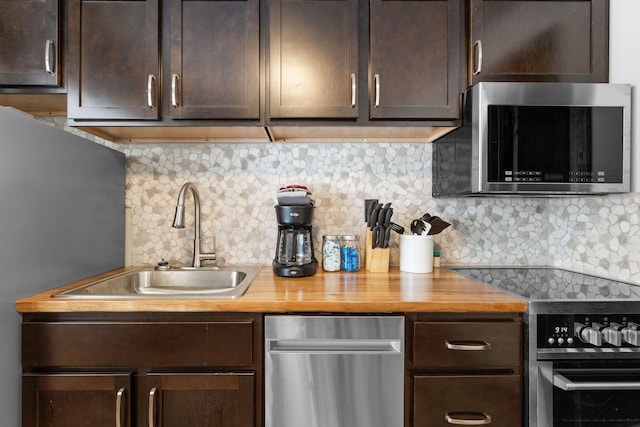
178, 222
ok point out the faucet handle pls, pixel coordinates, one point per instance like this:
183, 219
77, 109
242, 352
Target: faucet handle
163, 265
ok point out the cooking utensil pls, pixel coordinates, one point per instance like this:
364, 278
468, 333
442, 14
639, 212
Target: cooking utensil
419, 226
437, 225
396, 227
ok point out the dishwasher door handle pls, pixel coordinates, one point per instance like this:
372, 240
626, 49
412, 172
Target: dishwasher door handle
342, 346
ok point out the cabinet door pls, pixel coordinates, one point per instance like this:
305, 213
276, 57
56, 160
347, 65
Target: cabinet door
539, 40
445, 400
415, 66
76, 400
29, 43
200, 400
313, 58
215, 53
113, 60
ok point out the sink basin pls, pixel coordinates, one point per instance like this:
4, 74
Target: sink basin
223, 282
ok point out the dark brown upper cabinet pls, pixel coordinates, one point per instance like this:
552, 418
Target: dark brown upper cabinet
565, 40
30, 53
313, 59
413, 50
214, 59
211, 60
415, 59
114, 60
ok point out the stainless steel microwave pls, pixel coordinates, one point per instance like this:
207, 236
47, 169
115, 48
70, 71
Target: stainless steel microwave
537, 139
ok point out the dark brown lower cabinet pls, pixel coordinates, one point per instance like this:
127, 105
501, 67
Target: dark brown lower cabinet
443, 400
141, 369
76, 400
464, 369
200, 400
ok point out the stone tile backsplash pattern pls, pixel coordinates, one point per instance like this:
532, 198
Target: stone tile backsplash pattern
598, 235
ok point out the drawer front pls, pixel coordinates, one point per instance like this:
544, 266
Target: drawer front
155, 344
474, 345
445, 400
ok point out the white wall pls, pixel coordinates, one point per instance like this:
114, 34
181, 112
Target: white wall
624, 67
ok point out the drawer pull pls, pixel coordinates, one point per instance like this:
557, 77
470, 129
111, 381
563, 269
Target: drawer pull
468, 345
468, 418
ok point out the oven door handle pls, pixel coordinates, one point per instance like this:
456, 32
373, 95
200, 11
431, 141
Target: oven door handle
566, 384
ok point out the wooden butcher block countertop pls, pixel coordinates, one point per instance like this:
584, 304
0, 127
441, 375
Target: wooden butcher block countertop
341, 292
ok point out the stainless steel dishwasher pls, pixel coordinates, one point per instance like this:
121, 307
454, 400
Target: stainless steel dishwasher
334, 371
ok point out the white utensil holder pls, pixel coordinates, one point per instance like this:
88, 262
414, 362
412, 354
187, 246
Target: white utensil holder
416, 253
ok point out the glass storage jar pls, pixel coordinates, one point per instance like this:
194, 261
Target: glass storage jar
330, 253
350, 252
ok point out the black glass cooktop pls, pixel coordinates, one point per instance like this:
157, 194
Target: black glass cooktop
551, 284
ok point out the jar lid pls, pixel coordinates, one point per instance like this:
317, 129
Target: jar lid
330, 237
350, 237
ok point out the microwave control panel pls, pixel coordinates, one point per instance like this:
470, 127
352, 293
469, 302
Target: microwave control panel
588, 331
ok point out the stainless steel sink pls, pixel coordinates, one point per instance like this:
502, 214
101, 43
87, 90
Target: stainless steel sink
223, 282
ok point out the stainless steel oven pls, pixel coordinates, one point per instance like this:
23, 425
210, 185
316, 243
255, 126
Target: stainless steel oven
589, 393
587, 370
582, 346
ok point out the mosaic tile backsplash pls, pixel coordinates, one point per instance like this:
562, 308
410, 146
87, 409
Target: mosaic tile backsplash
597, 235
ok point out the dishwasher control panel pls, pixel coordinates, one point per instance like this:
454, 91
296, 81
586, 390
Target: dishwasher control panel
588, 331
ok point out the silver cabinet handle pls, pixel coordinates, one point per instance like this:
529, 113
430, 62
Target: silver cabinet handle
152, 407
119, 414
376, 81
454, 418
564, 383
151, 85
353, 90
477, 50
339, 346
468, 345
47, 56
174, 90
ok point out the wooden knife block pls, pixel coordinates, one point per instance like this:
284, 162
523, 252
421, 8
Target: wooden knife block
376, 260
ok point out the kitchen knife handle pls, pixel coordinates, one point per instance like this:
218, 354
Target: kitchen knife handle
47, 56
353, 90
175, 79
477, 50
151, 85
376, 81
119, 397
152, 407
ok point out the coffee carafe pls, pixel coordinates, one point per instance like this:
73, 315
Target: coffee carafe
294, 249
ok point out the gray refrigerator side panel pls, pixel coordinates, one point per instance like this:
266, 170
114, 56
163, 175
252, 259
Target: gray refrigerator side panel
61, 220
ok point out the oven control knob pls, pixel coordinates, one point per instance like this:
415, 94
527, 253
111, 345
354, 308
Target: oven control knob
609, 334
587, 334
631, 334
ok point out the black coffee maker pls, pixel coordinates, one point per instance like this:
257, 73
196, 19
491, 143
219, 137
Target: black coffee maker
294, 250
